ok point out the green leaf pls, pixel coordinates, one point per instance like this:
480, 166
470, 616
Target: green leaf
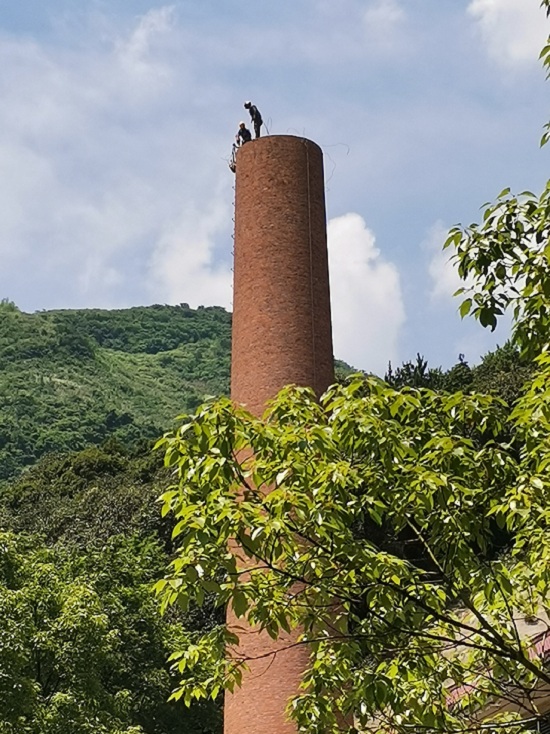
239, 603
465, 307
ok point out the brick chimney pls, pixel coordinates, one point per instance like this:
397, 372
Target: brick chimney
282, 335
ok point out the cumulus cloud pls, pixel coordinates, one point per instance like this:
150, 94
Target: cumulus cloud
513, 31
183, 260
100, 166
442, 271
367, 304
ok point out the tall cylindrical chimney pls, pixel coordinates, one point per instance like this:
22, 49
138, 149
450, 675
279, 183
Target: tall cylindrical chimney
281, 335
281, 303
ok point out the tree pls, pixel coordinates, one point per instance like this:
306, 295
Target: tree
399, 530
416, 374
399, 505
82, 645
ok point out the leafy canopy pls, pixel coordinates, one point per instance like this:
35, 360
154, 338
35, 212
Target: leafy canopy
390, 508
83, 645
68, 626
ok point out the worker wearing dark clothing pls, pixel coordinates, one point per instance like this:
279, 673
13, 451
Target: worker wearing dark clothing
255, 116
243, 135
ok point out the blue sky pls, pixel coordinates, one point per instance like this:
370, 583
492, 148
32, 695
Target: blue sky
117, 117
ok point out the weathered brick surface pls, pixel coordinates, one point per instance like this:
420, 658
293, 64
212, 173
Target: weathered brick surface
281, 335
281, 303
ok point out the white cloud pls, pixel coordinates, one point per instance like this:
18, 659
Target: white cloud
182, 262
367, 305
99, 168
513, 31
135, 50
442, 270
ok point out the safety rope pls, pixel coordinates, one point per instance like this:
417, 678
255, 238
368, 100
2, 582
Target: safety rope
313, 335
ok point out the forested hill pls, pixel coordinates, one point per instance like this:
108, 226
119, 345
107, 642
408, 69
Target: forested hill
73, 378
81, 536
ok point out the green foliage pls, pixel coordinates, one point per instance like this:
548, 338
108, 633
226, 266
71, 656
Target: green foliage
73, 378
83, 499
6, 305
342, 369
502, 373
505, 263
415, 374
80, 503
150, 329
386, 506
83, 647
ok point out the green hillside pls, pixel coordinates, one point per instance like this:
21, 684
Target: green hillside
81, 537
73, 378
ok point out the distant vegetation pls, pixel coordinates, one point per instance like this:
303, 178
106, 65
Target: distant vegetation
69, 379
83, 395
502, 373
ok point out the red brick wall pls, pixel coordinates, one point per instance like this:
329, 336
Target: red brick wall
281, 303
281, 335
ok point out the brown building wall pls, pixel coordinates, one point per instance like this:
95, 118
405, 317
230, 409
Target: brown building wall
281, 335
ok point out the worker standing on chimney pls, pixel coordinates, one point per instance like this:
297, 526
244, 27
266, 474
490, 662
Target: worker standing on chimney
255, 116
